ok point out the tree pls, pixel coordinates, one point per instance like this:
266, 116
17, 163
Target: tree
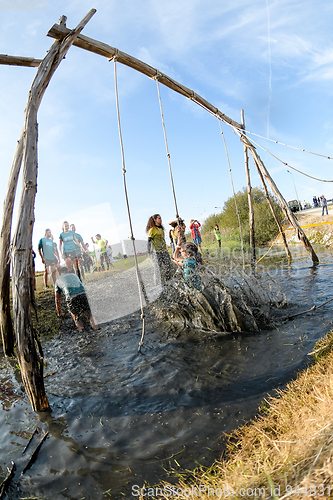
265, 225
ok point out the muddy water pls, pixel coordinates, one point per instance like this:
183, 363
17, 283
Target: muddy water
120, 418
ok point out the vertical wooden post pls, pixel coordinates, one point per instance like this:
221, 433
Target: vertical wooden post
249, 197
28, 350
274, 213
284, 205
6, 324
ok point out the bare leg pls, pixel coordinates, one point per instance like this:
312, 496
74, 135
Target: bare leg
69, 264
53, 273
45, 277
78, 324
94, 326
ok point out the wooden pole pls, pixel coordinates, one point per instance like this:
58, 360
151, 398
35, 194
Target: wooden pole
29, 351
19, 61
249, 197
274, 213
284, 205
6, 324
59, 32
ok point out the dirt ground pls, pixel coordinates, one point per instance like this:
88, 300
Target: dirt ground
320, 233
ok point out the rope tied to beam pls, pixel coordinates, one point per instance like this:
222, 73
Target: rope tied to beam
166, 146
114, 58
128, 208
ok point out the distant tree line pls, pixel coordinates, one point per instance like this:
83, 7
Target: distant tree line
227, 220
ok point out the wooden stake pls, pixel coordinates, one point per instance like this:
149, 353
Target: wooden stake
274, 213
249, 197
29, 352
284, 205
6, 324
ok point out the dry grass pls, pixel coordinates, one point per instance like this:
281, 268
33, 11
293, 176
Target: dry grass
290, 445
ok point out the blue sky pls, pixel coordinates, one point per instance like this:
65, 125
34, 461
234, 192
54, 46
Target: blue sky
274, 59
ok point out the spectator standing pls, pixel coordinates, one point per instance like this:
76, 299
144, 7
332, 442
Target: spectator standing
78, 249
324, 205
217, 234
67, 246
49, 256
195, 233
102, 243
157, 249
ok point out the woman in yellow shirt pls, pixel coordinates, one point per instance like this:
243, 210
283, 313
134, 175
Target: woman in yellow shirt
157, 248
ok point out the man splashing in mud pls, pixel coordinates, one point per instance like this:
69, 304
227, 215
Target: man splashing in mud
76, 299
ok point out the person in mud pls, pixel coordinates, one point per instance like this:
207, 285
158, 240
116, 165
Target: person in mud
76, 299
78, 263
102, 243
179, 228
49, 256
217, 234
195, 233
188, 263
157, 249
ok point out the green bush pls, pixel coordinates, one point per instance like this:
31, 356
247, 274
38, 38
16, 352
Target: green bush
265, 225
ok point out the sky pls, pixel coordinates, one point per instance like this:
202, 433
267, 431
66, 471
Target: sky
274, 59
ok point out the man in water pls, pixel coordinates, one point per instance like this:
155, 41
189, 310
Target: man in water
76, 298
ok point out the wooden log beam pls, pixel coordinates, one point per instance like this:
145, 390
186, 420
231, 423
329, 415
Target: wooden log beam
60, 31
28, 349
19, 61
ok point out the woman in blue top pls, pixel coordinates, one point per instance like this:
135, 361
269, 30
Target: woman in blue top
67, 238
188, 263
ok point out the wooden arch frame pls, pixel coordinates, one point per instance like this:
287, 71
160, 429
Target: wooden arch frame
18, 249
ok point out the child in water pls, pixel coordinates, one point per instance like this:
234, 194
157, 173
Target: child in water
188, 263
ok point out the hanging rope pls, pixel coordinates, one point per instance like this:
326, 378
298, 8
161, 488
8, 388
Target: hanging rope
287, 164
287, 145
127, 204
233, 190
166, 145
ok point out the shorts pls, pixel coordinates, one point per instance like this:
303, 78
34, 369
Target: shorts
70, 255
79, 305
51, 262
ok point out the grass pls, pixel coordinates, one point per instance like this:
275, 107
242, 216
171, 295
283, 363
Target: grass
287, 451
